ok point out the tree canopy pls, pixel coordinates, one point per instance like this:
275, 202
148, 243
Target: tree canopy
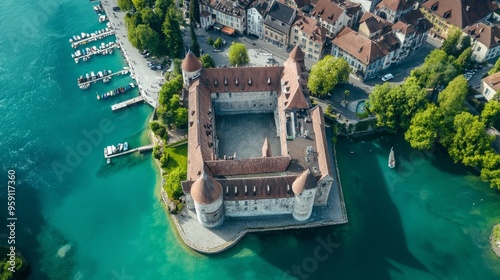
470, 141
207, 61
173, 35
424, 128
238, 54
491, 112
495, 68
395, 106
327, 73
194, 11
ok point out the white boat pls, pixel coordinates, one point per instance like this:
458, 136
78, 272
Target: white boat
108, 160
125, 146
120, 147
392, 160
113, 149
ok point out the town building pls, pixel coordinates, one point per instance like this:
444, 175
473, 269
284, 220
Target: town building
255, 17
255, 146
334, 16
297, 4
225, 15
485, 41
444, 15
392, 10
277, 24
491, 86
412, 30
367, 5
309, 35
371, 49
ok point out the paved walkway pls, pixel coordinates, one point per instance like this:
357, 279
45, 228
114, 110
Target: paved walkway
147, 80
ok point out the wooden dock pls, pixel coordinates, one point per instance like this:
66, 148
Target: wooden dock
99, 51
141, 149
127, 103
93, 38
121, 72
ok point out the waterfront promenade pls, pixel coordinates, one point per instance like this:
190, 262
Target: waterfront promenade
146, 79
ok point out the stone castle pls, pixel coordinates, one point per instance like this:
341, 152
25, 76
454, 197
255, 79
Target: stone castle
256, 147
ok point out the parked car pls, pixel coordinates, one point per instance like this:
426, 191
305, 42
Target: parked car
387, 77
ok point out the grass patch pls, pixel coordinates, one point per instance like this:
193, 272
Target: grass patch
177, 157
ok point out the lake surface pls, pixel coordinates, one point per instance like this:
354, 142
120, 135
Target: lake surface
79, 218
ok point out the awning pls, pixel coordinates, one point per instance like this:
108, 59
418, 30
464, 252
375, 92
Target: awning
227, 30
218, 26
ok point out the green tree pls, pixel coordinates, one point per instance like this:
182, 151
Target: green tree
465, 43
161, 8
424, 128
490, 170
173, 34
210, 41
173, 183
452, 98
495, 68
346, 93
326, 74
438, 69
471, 141
451, 44
139, 4
147, 38
238, 54
415, 101
195, 47
207, 61
181, 117
150, 18
194, 11
125, 5
491, 112
464, 59
218, 43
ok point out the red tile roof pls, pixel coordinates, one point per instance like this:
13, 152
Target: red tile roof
486, 34
460, 13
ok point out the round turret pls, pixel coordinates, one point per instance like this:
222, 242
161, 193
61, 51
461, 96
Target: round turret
297, 54
207, 197
304, 188
191, 68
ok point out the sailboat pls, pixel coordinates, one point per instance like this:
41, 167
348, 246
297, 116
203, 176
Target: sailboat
392, 160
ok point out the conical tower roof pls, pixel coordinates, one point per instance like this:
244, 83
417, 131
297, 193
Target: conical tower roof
297, 54
206, 190
191, 63
304, 181
266, 149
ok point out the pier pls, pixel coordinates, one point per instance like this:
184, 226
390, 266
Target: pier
93, 37
98, 51
83, 85
141, 149
127, 103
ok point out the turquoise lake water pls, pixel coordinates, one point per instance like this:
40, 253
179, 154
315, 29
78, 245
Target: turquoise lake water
426, 219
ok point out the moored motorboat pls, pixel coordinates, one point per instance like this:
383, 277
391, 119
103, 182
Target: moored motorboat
125, 146
392, 160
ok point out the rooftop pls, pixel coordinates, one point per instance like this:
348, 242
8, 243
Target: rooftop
460, 13
310, 26
493, 81
396, 5
488, 35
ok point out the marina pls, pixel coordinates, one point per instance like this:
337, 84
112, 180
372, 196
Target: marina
141, 149
87, 53
84, 38
127, 103
116, 91
84, 82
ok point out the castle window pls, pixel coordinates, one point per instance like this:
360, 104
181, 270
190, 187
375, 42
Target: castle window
225, 81
447, 14
216, 83
249, 81
235, 191
254, 190
236, 82
269, 81
434, 6
246, 190
268, 190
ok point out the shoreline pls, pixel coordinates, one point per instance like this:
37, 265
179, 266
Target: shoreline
495, 239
